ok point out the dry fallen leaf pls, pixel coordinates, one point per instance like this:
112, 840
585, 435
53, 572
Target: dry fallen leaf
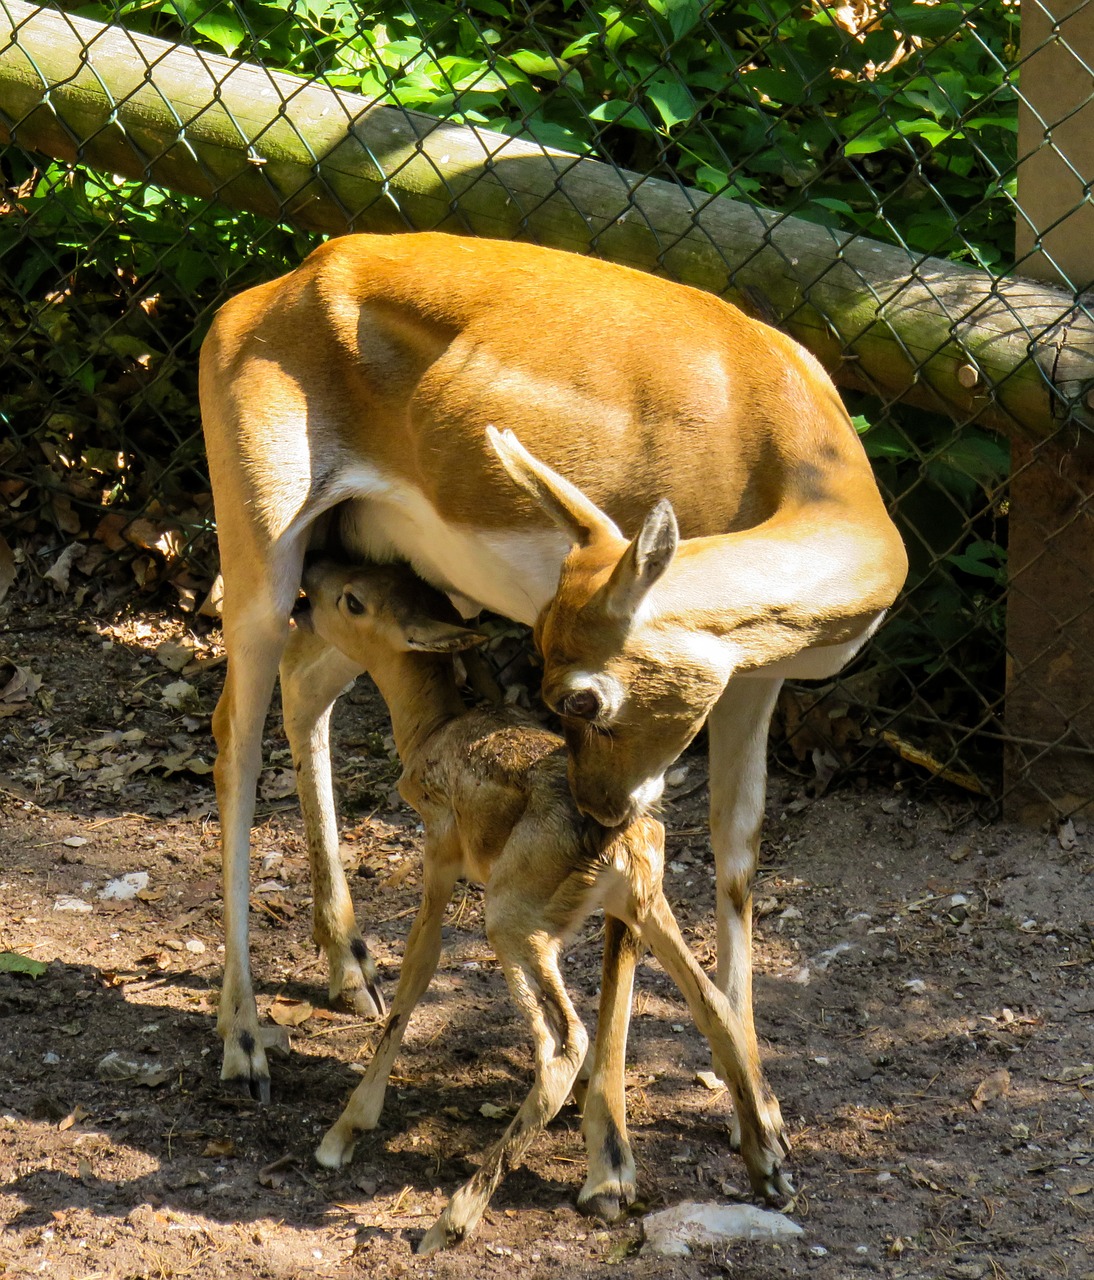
181, 696
17, 686
219, 1148
290, 1013
277, 784
60, 571
709, 1081
274, 1174
108, 532
997, 1085
174, 656
275, 1039
74, 1117
398, 875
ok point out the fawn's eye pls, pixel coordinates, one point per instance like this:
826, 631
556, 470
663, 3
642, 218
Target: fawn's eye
353, 605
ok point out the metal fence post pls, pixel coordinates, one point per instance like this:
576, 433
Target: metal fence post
1050, 649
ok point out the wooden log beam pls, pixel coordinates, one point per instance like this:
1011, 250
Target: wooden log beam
1013, 354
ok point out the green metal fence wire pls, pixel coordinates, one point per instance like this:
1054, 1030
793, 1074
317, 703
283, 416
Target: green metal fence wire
897, 122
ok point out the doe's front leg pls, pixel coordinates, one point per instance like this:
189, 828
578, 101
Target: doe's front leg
738, 730
763, 1143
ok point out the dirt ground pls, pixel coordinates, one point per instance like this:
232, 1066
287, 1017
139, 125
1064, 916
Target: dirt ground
923, 993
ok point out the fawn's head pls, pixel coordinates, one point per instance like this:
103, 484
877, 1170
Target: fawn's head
632, 685
369, 610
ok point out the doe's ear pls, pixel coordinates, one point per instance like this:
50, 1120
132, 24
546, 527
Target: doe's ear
428, 635
576, 515
643, 562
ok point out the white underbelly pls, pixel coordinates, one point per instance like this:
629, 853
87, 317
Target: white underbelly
513, 572
821, 662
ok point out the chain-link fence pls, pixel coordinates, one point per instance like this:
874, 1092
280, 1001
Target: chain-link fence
859, 174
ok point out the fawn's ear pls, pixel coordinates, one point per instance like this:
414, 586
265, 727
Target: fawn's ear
579, 518
429, 635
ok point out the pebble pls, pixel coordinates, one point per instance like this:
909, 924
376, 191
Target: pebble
67, 903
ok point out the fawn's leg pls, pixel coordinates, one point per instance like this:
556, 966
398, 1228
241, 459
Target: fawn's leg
423, 951
738, 728
313, 674
610, 1186
531, 969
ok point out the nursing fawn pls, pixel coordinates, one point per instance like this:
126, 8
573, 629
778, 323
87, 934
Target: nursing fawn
492, 791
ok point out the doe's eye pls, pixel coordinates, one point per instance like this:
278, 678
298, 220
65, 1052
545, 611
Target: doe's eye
353, 604
582, 704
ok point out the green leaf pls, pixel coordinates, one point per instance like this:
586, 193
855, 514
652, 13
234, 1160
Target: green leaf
1009, 122
615, 111
12, 962
932, 22
683, 15
672, 100
711, 179
878, 137
779, 86
224, 30
928, 130
536, 64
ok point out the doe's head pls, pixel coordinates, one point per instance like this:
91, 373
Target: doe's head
369, 610
631, 685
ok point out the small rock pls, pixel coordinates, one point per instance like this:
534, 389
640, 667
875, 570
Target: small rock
676, 1231
195, 945
117, 1065
181, 696
676, 777
125, 887
66, 902
50, 1059
916, 986
74, 842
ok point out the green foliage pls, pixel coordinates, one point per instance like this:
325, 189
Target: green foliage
946, 488
904, 129
12, 962
110, 290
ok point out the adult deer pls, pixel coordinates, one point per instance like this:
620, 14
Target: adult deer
365, 381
